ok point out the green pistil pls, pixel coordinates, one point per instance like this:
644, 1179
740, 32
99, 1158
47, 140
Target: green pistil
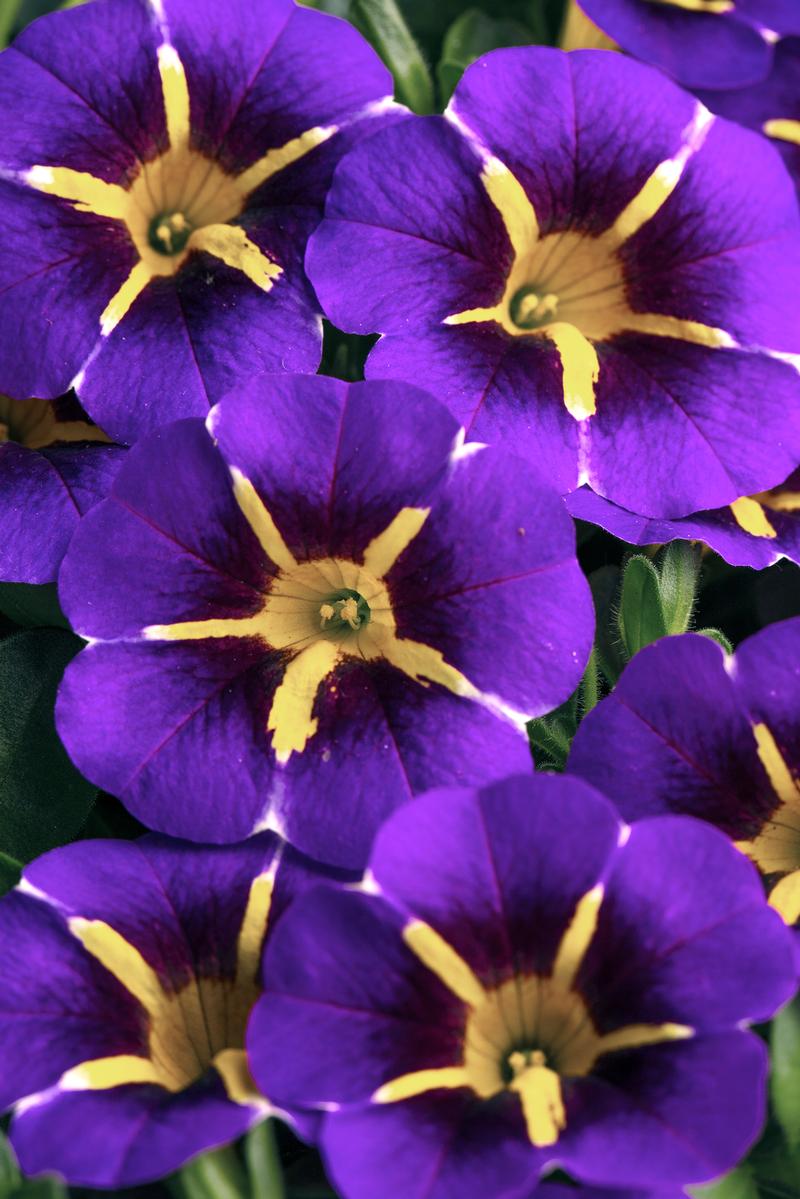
345, 611
169, 232
530, 308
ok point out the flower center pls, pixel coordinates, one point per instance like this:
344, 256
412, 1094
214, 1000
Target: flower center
530, 309
342, 611
169, 232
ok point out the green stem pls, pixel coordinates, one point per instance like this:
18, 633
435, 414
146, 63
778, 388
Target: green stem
264, 1163
590, 684
216, 1175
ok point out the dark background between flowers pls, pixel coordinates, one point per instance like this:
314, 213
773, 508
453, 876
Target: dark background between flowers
44, 802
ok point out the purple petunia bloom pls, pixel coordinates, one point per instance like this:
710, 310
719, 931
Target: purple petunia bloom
54, 467
523, 982
162, 163
615, 298
701, 43
311, 609
754, 531
771, 106
129, 973
688, 729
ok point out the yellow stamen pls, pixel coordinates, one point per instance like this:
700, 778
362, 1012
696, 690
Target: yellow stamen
750, 516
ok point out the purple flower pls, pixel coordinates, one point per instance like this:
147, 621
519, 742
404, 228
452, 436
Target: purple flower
129, 973
313, 608
522, 981
162, 163
54, 467
771, 106
688, 729
615, 298
753, 531
701, 43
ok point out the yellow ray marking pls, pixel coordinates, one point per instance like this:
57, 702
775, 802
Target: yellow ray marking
714, 7
254, 927
635, 1036
578, 937
783, 782
232, 246
290, 716
672, 326
579, 33
409, 1085
511, 201
539, 1089
106, 1072
384, 550
663, 181
750, 516
87, 193
199, 630
282, 157
580, 367
120, 304
784, 129
443, 961
121, 959
261, 522
231, 1065
472, 315
780, 501
785, 898
175, 90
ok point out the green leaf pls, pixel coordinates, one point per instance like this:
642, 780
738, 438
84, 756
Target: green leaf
551, 736
215, 1175
740, 1184
9, 1171
383, 25
473, 34
339, 8
785, 1076
32, 605
679, 572
640, 618
10, 870
9, 10
43, 799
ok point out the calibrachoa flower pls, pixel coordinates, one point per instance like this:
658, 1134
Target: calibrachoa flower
162, 163
754, 531
772, 106
688, 729
313, 608
702, 43
595, 290
523, 981
54, 467
129, 973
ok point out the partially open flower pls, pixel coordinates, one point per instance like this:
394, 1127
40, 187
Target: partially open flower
311, 609
523, 981
54, 466
755, 530
701, 43
690, 730
162, 163
130, 970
